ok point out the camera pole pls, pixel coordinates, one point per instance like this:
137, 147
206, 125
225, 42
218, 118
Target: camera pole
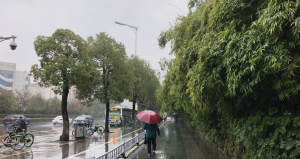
13, 45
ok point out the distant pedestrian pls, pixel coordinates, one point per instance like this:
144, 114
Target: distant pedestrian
165, 117
175, 116
151, 130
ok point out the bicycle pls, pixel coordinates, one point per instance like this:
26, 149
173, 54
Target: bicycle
16, 143
133, 123
28, 138
90, 131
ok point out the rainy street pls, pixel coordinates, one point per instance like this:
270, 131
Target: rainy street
47, 145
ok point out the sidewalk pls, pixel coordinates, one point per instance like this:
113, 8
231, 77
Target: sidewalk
177, 141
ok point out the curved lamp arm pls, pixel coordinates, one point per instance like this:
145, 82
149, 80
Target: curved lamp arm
13, 44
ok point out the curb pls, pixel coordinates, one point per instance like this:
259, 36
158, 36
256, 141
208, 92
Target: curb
133, 149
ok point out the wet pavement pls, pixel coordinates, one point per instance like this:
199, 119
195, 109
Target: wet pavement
47, 145
178, 141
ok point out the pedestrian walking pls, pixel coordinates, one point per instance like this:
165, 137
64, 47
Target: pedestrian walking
165, 117
176, 118
151, 119
151, 135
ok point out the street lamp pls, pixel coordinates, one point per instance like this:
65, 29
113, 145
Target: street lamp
134, 96
13, 45
136, 28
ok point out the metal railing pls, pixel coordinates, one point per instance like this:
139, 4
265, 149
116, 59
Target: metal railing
116, 152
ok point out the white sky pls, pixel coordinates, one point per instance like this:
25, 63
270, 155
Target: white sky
30, 18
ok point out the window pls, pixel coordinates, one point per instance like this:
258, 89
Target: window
25, 86
6, 83
7, 74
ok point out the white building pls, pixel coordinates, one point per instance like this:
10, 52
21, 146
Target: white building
12, 80
47, 92
128, 104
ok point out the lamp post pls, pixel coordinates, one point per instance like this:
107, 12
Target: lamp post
13, 45
133, 95
136, 28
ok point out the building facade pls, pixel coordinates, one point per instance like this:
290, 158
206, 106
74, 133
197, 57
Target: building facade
11, 79
47, 92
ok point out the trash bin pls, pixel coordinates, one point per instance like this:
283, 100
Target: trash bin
80, 130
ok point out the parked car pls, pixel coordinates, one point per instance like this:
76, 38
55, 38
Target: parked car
87, 119
10, 119
59, 120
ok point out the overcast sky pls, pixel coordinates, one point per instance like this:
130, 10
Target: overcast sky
30, 18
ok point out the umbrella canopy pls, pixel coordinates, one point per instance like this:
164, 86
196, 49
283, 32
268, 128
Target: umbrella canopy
149, 117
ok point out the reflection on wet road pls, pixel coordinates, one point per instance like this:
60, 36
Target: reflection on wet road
178, 141
46, 144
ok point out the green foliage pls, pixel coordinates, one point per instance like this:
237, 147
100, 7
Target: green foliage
64, 61
35, 106
236, 68
23, 102
145, 84
8, 102
22, 97
269, 136
113, 79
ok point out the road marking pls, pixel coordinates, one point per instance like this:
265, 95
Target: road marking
56, 146
38, 136
100, 145
104, 144
48, 136
68, 143
14, 154
39, 149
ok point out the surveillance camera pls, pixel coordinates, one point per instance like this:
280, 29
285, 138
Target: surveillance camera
13, 45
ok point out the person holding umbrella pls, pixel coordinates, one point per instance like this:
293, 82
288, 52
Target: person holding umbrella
175, 115
151, 120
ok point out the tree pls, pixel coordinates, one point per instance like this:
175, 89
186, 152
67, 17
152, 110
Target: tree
98, 109
8, 102
64, 63
236, 71
54, 106
164, 93
23, 96
114, 75
145, 83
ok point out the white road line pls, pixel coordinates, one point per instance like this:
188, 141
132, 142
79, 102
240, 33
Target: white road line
104, 144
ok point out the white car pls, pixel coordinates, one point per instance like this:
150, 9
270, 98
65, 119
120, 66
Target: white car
59, 120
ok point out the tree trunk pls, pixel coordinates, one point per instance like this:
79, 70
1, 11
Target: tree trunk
106, 129
106, 142
133, 107
64, 111
65, 151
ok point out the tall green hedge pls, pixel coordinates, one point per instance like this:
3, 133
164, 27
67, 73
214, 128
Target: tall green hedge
236, 75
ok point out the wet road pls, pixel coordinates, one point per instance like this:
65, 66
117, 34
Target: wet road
178, 141
46, 144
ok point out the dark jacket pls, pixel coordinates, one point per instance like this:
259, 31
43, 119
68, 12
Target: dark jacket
151, 130
22, 123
